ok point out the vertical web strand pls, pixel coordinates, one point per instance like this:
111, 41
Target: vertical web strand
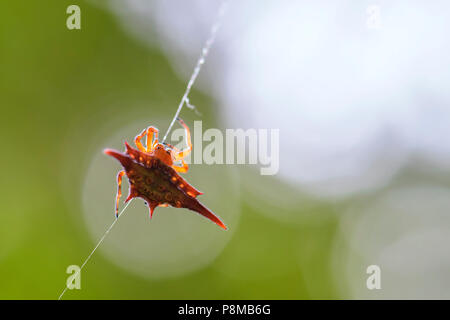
201, 60
184, 100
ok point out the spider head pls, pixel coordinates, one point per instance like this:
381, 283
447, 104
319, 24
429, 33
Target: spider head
163, 152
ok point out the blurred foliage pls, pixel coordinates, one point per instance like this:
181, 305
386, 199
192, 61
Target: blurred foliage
54, 82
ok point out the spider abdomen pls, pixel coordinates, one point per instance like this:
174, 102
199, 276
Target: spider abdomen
159, 184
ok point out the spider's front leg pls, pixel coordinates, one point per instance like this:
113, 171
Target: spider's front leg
179, 155
183, 168
150, 132
119, 190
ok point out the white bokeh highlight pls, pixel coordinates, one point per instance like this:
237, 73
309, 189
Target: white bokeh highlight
353, 104
406, 233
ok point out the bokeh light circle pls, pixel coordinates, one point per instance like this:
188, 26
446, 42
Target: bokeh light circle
405, 232
175, 241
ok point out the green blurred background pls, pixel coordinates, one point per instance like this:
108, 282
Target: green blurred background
63, 93
57, 88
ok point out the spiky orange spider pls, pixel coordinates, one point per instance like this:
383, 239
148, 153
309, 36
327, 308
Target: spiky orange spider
153, 176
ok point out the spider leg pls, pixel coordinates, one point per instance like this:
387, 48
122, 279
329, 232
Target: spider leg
181, 154
183, 168
151, 132
137, 141
119, 190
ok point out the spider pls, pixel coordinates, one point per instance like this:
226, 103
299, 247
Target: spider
153, 174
